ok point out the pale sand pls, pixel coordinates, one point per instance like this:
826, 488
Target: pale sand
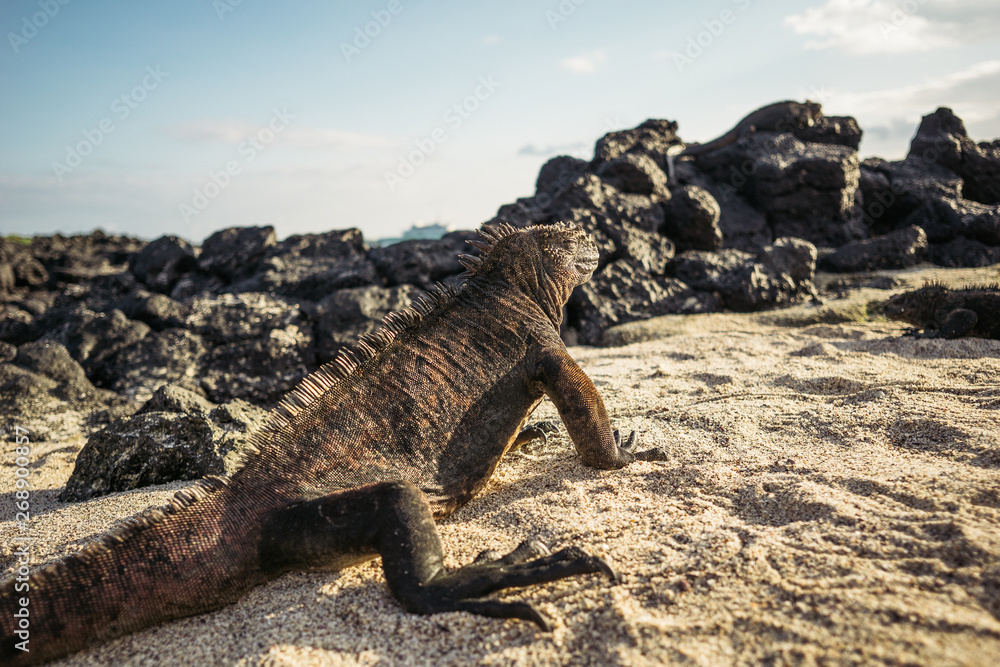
833, 497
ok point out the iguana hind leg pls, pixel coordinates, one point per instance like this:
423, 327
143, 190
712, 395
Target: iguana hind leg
394, 520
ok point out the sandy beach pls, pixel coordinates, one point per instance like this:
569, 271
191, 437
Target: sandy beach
833, 497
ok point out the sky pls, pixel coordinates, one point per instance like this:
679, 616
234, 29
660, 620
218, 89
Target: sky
150, 118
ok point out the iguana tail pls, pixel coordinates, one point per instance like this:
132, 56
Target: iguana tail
186, 558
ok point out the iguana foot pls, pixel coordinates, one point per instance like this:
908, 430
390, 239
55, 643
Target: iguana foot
460, 590
531, 432
653, 454
525, 551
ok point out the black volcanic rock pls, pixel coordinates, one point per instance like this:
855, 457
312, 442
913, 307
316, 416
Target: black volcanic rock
692, 219
421, 262
634, 173
235, 252
622, 293
257, 346
162, 263
896, 250
161, 444
805, 189
19, 267
942, 139
311, 266
651, 138
345, 315
963, 252
778, 275
169, 356
836, 130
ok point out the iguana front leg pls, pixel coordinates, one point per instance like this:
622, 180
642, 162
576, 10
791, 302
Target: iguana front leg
394, 520
958, 323
585, 416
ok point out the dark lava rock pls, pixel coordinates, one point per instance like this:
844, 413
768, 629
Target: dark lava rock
7, 352
158, 446
53, 361
169, 356
555, 175
651, 138
907, 192
91, 338
16, 324
234, 253
345, 315
18, 267
44, 391
691, 219
944, 219
805, 190
648, 251
836, 130
83, 257
259, 346
743, 227
422, 262
634, 173
963, 252
175, 398
158, 311
227, 317
622, 293
709, 271
311, 266
779, 275
896, 250
782, 275
162, 263
942, 139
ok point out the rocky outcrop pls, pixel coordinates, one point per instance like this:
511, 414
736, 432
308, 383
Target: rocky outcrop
176, 435
896, 250
95, 324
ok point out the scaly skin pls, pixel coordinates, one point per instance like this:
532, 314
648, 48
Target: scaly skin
938, 312
358, 462
778, 117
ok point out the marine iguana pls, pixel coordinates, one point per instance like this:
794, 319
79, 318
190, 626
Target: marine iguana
777, 117
357, 462
939, 312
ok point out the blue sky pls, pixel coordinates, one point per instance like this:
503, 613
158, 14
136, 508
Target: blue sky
152, 118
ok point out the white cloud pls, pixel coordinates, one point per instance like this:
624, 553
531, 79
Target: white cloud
209, 130
583, 64
576, 149
970, 87
866, 27
490, 40
890, 116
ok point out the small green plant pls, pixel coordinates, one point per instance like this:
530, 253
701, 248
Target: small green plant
23, 240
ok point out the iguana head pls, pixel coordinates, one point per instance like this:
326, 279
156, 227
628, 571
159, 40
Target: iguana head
545, 261
916, 307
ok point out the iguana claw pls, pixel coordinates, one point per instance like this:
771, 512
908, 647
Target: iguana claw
653, 454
